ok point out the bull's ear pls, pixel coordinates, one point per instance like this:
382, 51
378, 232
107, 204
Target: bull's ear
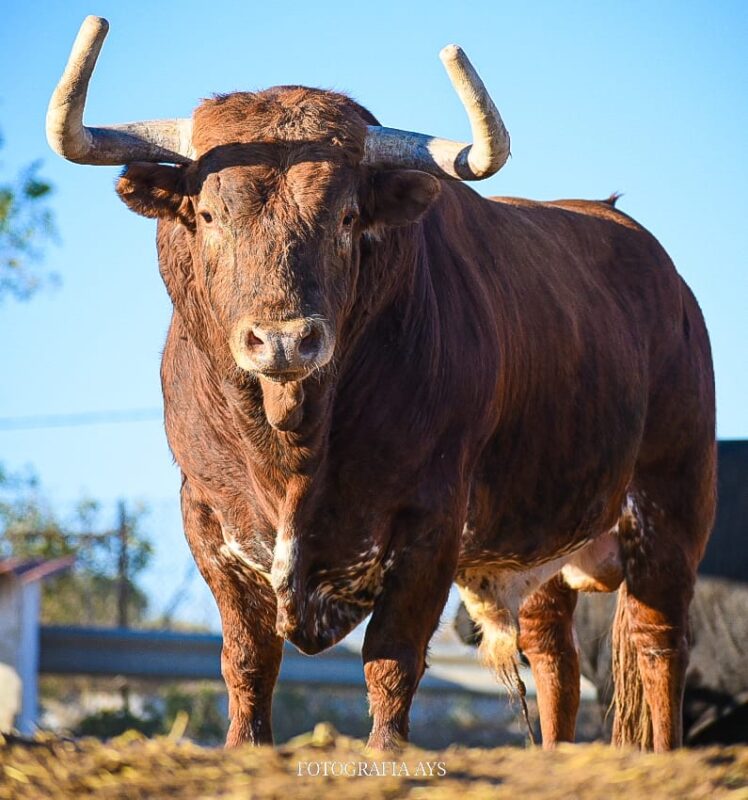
154, 190
399, 197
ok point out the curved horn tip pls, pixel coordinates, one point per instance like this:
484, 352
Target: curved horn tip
97, 25
92, 32
450, 52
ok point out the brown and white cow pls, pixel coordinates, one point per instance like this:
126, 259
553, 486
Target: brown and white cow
378, 383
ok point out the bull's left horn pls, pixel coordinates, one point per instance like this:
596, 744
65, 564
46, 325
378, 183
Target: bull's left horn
166, 140
388, 147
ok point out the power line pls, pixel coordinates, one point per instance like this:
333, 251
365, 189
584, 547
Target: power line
82, 418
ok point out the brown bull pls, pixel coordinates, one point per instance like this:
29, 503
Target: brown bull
378, 383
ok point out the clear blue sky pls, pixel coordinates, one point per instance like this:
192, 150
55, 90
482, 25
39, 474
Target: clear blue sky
646, 98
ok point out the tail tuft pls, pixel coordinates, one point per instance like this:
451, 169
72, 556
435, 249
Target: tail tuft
612, 199
632, 723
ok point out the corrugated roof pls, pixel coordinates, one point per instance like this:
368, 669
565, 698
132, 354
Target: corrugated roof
33, 569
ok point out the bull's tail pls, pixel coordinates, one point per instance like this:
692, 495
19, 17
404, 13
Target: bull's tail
632, 723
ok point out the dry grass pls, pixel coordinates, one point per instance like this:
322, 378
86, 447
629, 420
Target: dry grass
134, 767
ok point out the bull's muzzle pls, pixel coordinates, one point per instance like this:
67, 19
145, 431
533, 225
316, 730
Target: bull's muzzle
282, 351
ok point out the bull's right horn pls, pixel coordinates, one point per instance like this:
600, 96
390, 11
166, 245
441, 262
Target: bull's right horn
391, 148
166, 140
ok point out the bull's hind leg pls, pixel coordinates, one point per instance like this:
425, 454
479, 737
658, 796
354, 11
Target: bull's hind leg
547, 639
251, 653
674, 486
661, 555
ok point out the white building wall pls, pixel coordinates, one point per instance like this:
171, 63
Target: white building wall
10, 641
19, 653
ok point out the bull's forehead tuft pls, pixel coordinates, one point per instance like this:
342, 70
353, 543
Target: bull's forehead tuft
286, 114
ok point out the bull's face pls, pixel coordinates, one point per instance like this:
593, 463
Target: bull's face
275, 246
275, 226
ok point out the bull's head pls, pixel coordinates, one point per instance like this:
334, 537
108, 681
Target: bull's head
274, 205
275, 191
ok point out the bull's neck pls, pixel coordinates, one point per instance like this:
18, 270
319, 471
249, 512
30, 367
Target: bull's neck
392, 286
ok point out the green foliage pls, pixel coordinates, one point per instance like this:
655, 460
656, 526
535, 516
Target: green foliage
202, 704
26, 226
87, 594
114, 722
296, 708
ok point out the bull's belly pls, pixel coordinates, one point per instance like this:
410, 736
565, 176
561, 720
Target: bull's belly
493, 587
592, 566
585, 556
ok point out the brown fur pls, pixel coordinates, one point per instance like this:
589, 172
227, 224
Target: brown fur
548, 642
504, 373
632, 722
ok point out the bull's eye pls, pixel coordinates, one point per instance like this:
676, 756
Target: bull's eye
207, 218
348, 219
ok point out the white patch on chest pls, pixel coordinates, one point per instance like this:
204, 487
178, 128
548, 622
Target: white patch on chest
232, 550
285, 556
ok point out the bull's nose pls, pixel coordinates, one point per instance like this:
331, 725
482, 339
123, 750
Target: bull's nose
281, 349
299, 344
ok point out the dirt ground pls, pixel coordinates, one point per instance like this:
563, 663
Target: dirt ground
135, 767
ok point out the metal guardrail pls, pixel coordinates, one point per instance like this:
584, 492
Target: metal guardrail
172, 655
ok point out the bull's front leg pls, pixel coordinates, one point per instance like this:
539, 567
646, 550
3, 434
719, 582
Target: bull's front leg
252, 651
404, 619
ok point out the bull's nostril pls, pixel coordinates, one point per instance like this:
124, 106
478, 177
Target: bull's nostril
253, 340
309, 345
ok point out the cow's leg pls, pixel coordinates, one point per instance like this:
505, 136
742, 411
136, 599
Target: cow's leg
546, 637
251, 654
658, 629
674, 489
651, 631
404, 619
660, 555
